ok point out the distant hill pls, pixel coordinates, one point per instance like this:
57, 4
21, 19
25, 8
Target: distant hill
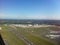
28, 21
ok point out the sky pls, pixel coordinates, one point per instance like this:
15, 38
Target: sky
30, 9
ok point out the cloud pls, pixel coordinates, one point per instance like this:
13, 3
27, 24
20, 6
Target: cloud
36, 16
56, 17
50, 17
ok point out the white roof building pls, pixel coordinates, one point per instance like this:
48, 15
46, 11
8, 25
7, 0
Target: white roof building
53, 34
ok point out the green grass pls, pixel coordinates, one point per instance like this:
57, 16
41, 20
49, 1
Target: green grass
36, 40
11, 38
27, 32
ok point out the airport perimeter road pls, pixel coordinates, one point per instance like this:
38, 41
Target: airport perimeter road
14, 30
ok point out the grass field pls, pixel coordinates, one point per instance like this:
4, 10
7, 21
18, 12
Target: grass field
34, 35
11, 38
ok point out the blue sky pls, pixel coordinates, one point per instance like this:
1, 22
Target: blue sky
30, 9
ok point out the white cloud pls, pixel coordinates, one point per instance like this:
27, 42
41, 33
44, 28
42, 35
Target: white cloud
36, 16
56, 17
